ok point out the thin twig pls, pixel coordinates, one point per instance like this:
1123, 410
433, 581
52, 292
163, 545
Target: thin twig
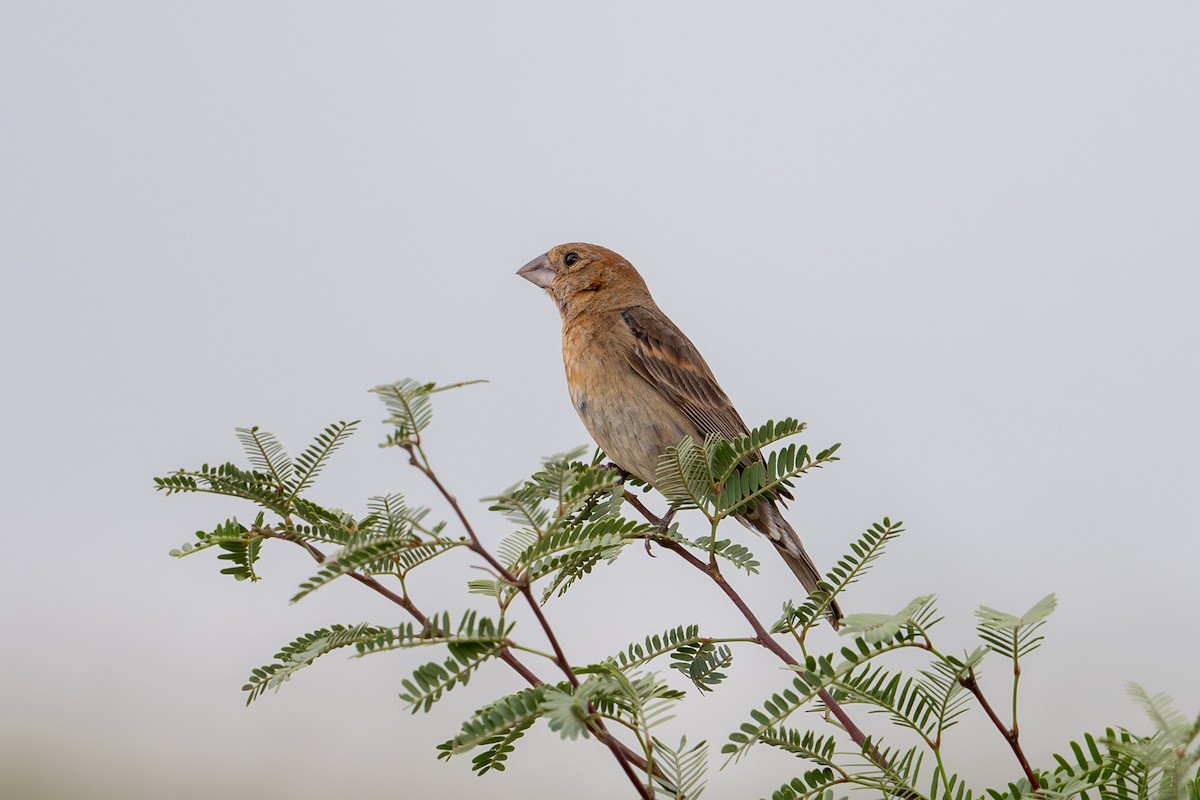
558, 651
476, 545
365, 580
506, 655
1016, 731
1010, 736
422, 464
619, 750
762, 636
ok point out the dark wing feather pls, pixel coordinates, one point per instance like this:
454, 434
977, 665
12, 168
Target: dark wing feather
670, 363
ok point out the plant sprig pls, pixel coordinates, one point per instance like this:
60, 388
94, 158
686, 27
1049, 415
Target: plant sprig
568, 521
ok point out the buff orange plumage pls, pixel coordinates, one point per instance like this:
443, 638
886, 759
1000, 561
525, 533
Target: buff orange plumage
639, 385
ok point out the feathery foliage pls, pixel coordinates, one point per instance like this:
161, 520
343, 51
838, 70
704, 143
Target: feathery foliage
497, 719
870, 545
683, 769
411, 410
266, 455
498, 748
569, 517
310, 463
432, 680
701, 662
404, 551
640, 700
567, 522
1010, 636
303, 651
735, 553
241, 545
723, 478
437, 630
659, 644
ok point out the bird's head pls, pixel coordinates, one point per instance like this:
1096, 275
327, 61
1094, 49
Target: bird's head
586, 277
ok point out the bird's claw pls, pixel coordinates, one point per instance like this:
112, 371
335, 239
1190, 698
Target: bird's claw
622, 472
664, 521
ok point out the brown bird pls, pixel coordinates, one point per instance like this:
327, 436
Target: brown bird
639, 385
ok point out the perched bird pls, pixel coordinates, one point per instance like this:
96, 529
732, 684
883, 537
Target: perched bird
639, 385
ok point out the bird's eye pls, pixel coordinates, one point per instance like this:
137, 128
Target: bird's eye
570, 258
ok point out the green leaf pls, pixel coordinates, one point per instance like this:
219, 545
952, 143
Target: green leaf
727, 455
848, 570
403, 551
229, 480
431, 681
780, 706
683, 769
814, 675
737, 554
566, 711
701, 662
1001, 621
874, 628
501, 717
438, 630
572, 552
563, 493
240, 545
684, 477
473, 642
498, 748
303, 651
1112, 766
1167, 719
640, 701
410, 407
266, 454
659, 644
1010, 636
314, 458
903, 699
806, 745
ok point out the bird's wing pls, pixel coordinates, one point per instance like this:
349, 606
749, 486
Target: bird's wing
670, 363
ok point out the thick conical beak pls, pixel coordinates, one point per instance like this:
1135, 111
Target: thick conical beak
538, 272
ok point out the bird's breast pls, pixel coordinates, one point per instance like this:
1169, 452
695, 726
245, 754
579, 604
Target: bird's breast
629, 419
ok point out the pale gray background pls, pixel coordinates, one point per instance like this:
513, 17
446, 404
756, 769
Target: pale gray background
961, 239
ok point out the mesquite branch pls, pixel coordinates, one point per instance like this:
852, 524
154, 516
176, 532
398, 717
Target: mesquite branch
762, 636
565, 542
417, 458
1010, 735
620, 751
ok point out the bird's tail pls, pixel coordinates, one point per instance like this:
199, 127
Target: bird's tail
767, 519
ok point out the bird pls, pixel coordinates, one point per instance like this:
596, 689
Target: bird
639, 384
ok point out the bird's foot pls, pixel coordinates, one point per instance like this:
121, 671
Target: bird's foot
663, 523
621, 471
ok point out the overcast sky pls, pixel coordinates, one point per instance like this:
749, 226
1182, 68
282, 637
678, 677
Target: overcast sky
961, 239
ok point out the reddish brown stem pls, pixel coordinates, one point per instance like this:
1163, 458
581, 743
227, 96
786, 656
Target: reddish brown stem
505, 655
476, 544
619, 751
477, 547
558, 651
762, 636
1010, 735
365, 580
